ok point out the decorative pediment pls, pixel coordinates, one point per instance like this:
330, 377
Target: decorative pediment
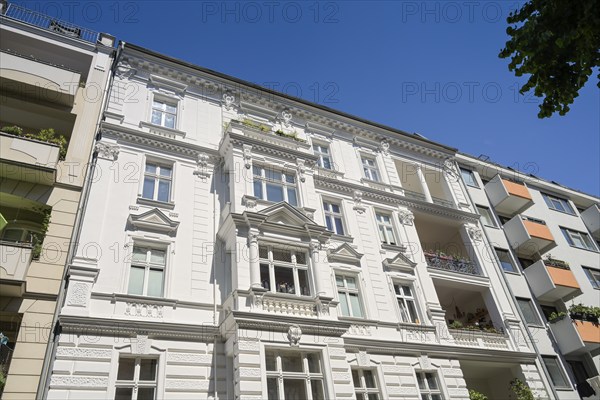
283, 213
399, 263
344, 253
153, 220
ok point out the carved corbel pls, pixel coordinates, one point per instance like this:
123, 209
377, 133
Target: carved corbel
406, 217
202, 168
247, 149
107, 151
358, 204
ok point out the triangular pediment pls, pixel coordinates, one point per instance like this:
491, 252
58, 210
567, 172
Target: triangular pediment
399, 263
344, 253
154, 220
284, 214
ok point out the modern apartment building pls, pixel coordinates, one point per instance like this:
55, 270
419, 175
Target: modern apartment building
52, 76
545, 236
239, 243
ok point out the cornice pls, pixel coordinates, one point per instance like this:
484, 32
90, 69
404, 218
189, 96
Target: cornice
259, 146
281, 323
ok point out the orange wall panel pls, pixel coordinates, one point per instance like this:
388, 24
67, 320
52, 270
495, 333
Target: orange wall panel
516, 189
588, 331
563, 277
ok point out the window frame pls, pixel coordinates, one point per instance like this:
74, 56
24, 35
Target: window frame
280, 375
363, 392
513, 265
551, 201
487, 216
533, 309
589, 273
165, 101
374, 173
322, 155
157, 178
136, 383
271, 263
331, 216
348, 291
264, 180
383, 224
147, 265
399, 295
426, 392
568, 235
560, 369
472, 179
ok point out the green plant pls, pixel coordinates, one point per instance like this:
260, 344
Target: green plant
475, 395
256, 125
553, 262
49, 136
13, 130
555, 317
521, 389
38, 238
456, 325
2, 380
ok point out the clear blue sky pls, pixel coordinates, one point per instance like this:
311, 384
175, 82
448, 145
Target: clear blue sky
422, 66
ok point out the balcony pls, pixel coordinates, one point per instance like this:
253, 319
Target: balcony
14, 260
529, 236
28, 160
461, 266
591, 218
508, 197
551, 281
29, 77
575, 336
481, 339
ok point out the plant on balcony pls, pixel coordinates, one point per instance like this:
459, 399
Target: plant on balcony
556, 316
456, 325
2, 380
44, 135
553, 262
13, 130
475, 395
521, 390
38, 238
256, 125
584, 313
292, 136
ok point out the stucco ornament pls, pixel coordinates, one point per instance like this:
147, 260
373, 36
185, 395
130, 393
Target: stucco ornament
247, 149
384, 146
475, 233
228, 100
107, 151
406, 217
286, 117
294, 334
358, 204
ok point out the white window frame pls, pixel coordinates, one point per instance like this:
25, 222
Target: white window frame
147, 265
552, 201
363, 392
593, 276
512, 262
382, 224
561, 371
472, 181
136, 383
330, 216
487, 217
165, 101
157, 178
571, 236
405, 316
346, 291
283, 183
293, 265
318, 148
306, 374
370, 172
521, 301
426, 392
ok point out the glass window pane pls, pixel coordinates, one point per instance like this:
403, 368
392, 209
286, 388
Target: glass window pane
326, 163
156, 117
148, 190
355, 304
145, 393
284, 280
339, 227
139, 254
282, 255
301, 258
290, 178
165, 171
369, 379
126, 369
314, 362
421, 381
257, 171
329, 222
375, 175
344, 304
294, 389
292, 198
123, 393
303, 282
169, 121
412, 311
335, 208
554, 370
528, 311
274, 193
355, 378
158, 104
339, 281
406, 290
316, 387
350, 282
136, 281
148, 369
373, 396
263, 252
271, 361
291, 362
258, 192
436, 397
431, 381
155, 283
265, 279
170, 108
151, 169
157, 256
272, 389
164, 188
273, 175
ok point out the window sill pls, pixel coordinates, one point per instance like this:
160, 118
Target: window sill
342, 238
328, 173
511, 272
491, 226
375, 184
473, 186
357, 319
583, 248
162, 130
393, 247
156, 203
563, 212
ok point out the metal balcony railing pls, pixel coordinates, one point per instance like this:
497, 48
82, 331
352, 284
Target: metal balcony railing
451, 264
52, 24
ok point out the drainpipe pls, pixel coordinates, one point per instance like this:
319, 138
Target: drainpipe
514, 299
216, 217
44, 383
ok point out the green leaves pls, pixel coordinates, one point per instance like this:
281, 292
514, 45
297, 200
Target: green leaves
557, 43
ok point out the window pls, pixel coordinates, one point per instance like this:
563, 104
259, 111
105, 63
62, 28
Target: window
322, 152
578, 239
406, 303
365, 384
428, 386
594, 276
548, 310
370, 169
349, 296
283, 270
556, 373
147, 271
503, 219
528, 310
273, 185
505, 260
294, 375
136, 379
486, 216
558, 204
526, 262
157, 182
164, 113
333, 217
386, 229
469, 177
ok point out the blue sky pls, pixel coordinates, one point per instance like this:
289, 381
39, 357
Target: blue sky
421, 66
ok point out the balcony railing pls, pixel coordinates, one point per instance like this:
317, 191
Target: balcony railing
451, 264
46, 22
414, 195
443, 202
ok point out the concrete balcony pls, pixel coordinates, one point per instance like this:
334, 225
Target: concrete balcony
480, 339
576, 337
508, 197
29, 160
31, 78
591, 218
550, 283
529, 236
15, 259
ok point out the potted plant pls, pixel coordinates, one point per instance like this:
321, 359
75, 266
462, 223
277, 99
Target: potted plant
521, 389
455, 325
553, 262
556, 316
577, 311
475, 395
